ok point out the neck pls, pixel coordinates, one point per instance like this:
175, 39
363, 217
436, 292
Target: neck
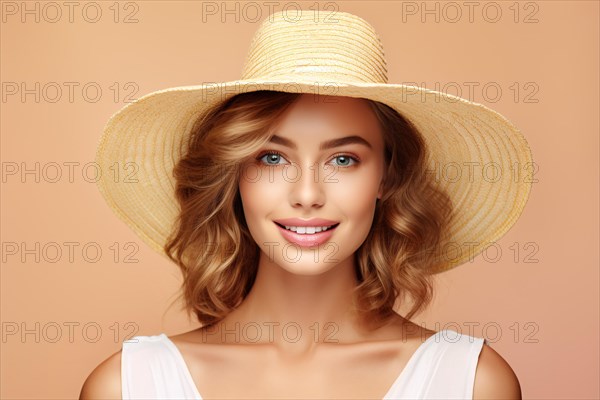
296, 312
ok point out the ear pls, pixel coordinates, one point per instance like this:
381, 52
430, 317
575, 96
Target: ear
379, 193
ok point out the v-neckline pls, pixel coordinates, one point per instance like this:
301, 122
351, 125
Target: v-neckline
396, 382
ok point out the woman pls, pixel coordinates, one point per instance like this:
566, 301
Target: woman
301, 220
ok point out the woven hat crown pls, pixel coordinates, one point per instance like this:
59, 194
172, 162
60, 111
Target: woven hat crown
316, 46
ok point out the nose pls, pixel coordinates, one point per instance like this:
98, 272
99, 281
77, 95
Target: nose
307, 186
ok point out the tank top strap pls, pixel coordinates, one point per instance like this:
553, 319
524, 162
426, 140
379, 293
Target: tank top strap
444, 369
152, 369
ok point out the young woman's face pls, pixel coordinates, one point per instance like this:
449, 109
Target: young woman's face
330, 166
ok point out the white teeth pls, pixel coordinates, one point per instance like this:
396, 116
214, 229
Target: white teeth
303, 230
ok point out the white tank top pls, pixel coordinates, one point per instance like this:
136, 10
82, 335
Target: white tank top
442, 367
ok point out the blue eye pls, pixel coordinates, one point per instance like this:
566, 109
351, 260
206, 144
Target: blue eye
273, 157
346, 158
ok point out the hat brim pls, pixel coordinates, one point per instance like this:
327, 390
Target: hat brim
487, 157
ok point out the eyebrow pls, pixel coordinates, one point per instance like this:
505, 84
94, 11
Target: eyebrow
324, 145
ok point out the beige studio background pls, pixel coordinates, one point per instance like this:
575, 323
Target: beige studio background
67, 67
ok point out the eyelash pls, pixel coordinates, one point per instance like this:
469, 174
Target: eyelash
269, 152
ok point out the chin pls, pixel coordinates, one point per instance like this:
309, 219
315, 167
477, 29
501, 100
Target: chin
306, 269
311, 262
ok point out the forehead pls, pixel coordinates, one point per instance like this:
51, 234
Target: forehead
316, 116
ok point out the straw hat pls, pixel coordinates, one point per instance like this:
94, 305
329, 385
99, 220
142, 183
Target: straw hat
476, 150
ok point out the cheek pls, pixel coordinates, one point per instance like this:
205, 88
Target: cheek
358, 209
355, 191
250, 200
259, 196
354, 196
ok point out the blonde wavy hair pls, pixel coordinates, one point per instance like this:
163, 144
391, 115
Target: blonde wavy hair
218, 257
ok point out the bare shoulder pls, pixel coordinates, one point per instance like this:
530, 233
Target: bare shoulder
104, 382
494, 378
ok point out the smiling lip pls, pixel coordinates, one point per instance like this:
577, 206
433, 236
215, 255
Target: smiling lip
305, 222
307, 240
